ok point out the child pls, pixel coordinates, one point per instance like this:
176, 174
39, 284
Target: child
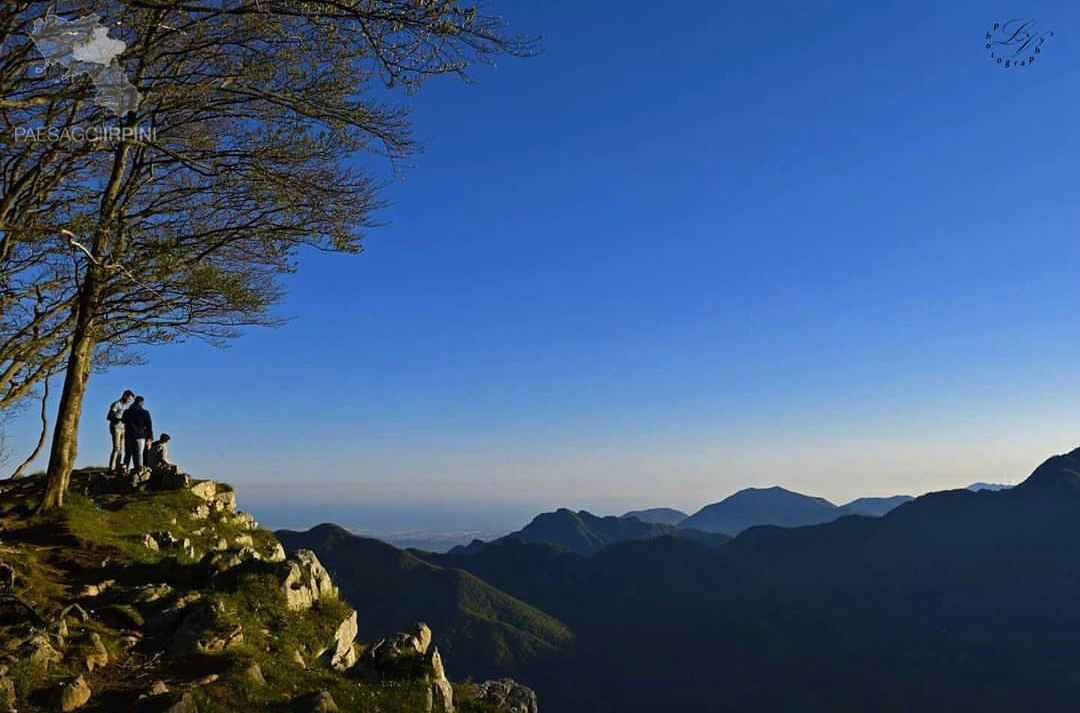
158, 453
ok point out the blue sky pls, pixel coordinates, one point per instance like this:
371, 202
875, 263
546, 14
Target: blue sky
692, 247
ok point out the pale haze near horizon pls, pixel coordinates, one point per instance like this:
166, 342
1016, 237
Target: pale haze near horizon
854, 284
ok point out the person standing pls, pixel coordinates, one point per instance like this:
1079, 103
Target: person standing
116, 428
138, 432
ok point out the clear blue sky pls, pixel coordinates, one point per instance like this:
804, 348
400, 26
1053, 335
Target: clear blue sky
692, 247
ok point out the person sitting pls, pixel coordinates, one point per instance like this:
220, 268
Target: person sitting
158, 453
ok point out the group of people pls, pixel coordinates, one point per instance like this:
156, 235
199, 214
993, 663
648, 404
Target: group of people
132, 432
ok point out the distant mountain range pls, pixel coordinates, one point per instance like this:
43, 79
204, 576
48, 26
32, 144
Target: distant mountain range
956, 600
874, 507
989, 486
586, 534
661, 516
580, 532
762, 506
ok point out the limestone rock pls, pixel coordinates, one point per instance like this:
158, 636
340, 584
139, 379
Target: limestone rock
201, 630
304, 580
316, 702
244, 541
254, 673
168, 703
246, 521
218, 496
74, 611
204, 489
98, 655
221, 561
438, 671
508, 695
39, 651
74, 694
441, 697
148, 593
278, 554
342, 653
157, 688
96, 590
168, 476
7, 693
390, 653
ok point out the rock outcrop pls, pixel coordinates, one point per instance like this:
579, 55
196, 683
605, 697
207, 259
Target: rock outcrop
101, 599
410, 654
341, 655
305, 581
508, 695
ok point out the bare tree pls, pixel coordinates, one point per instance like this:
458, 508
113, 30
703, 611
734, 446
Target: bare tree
259, 110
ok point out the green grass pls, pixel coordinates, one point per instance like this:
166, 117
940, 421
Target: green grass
96, 538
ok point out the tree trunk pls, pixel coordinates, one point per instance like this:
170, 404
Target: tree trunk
65, 441
41, 438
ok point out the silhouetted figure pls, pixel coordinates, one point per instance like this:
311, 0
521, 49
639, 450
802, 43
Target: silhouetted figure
116, 428
138, 432
158, 453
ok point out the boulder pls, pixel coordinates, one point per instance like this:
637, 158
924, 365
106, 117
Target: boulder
278, 553
220, 497
438, 671
150, 543
254, 674
147, 593
221, 561
73, 694
98, 655
204, 489
168, 703
39, 652
202, 630
245, 520
508, 695
7, 693
315, 702
441, 697
304, 580
157, 688
132, 480
168, 476
96, 590
342, 653
394, 651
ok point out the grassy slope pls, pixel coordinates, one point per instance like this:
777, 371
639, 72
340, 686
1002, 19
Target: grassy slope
482, 630
92, 540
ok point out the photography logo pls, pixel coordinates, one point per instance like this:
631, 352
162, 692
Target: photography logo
83, 46
1015, 43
